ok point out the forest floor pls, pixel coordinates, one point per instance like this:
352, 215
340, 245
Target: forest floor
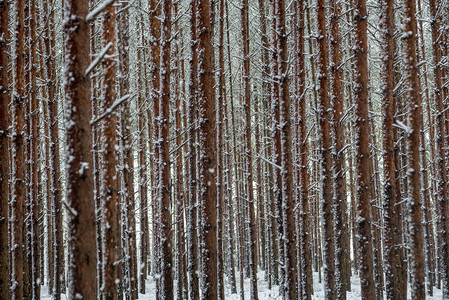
264, 292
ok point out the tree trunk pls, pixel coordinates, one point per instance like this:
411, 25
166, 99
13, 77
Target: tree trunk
207, 158
413, 97
392, 234
80, 204
248, 150
18, 158
325, 157
4, 150
363, 178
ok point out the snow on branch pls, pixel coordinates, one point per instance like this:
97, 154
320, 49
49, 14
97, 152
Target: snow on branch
402, 126
94, 13
98, 59
110, 109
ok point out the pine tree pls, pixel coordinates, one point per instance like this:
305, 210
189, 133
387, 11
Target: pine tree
80, 205
207, 153
392, 234
325, 157
4, 150
363, 177
18, 157
413, 136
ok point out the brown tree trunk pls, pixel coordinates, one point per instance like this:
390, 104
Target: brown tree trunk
109, 142
4, 150
248, 150
207, 159
80, 204
291, 265
392, 235
339, 184
58, 246
415, 202
18, 158
440, 154
192, 240
220, 156
163, 214
325, 157
305, 234
363, 177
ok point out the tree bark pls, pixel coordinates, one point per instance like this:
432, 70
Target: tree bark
207, 158
4, 150
363, 178
80, 204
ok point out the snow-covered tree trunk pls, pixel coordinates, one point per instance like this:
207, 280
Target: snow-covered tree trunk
305, 235
325, 119
392, 233
192, 239
4, 150
220, 154
440, 154
288, 205
109, 146
162, 197
80, 206
412, 93
248, 151
207, 153
56, 199
18, 159
363, 178
339, 178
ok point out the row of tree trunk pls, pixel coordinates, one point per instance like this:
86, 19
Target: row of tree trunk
140, 143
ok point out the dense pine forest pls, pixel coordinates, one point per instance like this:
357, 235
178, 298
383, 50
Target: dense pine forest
224, 149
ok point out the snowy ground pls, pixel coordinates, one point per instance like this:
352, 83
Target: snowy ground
264, 292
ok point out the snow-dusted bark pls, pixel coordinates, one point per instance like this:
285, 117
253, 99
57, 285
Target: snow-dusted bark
191, 218
276, 153
252, 258
325, 119
162, 196
55, 172
32, 121
440, 154
305, 235
393, 228
413, 96
18, 159
142, 85
109, 144
220, 154
288, 204
338, 155
4, 151
79, 194
207, 154
230, 204
363, 178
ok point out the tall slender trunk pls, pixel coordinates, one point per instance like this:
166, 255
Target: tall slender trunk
339, 184
440, 153
109, 143
207, 148
248, 150
192, 239
325, 157
363, 177
414, 123
80, 204
18, 158
4, 151
393, 235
